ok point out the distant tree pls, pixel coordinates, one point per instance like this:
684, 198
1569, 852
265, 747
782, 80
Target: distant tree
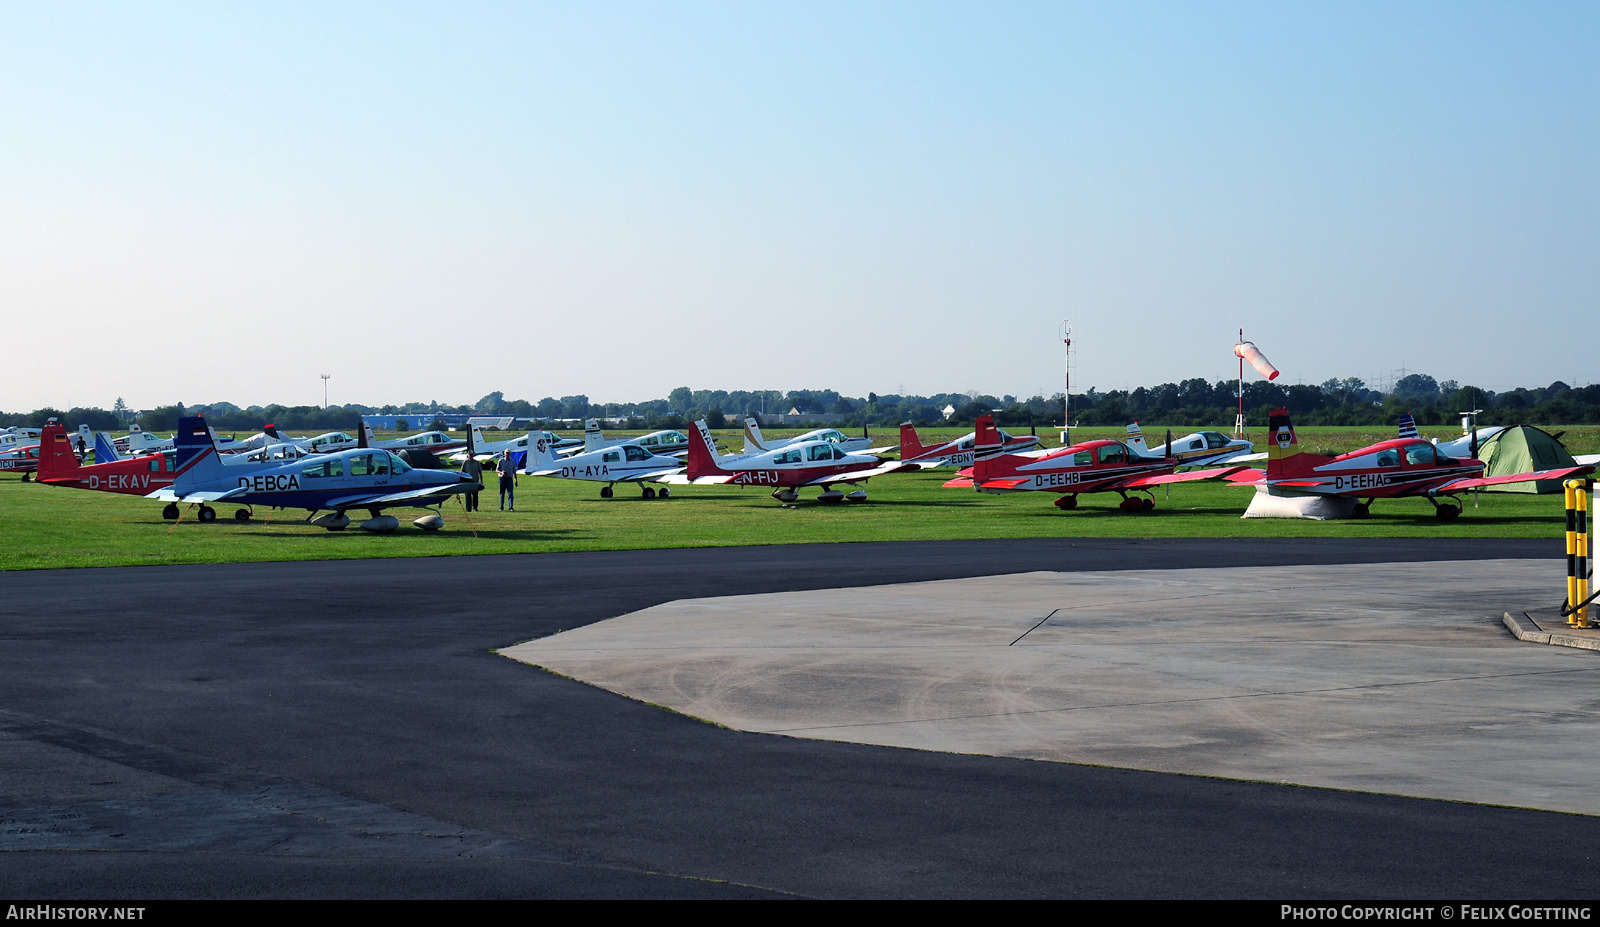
1417, 386
715, 418
121, 411
490, 403
401, 424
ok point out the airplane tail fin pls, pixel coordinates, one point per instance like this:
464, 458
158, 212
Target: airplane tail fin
987, 447
593, 438
197, 451
105, 450
753, 442
365, 437
703, 457
56, 458
272, 432
1135, 440
910, 442
1408, 426
540, 454
1283, 449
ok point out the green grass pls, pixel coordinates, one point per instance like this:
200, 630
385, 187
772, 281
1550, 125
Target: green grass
44, 527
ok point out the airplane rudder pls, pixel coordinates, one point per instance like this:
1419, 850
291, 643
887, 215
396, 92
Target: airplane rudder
910, 441
55, 453
1283, 445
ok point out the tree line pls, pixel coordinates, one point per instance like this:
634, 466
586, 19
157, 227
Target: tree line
1193, 402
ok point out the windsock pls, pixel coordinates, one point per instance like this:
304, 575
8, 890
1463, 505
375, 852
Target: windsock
1256, 359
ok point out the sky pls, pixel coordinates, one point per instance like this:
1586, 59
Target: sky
213, 202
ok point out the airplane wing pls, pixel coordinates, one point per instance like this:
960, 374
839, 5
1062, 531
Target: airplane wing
682, 479
960, 482
1592, 460
1248, 476
1474, 482
891, 467
398, 498
650, 475
167, 495
1215, 473
1010, 482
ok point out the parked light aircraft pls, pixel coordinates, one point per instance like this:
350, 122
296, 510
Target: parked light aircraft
1388, 469
754, 443
656, 442
1203, 448
622, 463
59, 466
1092, 466
23, 460
485, 450
959, 452
787, 469
434, 442
363, 478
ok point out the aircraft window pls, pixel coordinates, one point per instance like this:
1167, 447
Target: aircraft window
838, 454
611, 457
832, 437
1419, 455
1197, 444
334, 467
637, 453
651, 440
1082, 459
1114, 453
967, 444
155, 465
678, 437
1389, 457
1214, 440
819, 452
397, 466
787, 457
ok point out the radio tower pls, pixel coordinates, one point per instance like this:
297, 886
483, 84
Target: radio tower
1066, 394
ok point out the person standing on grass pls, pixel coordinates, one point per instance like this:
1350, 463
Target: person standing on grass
508, 481
474, 471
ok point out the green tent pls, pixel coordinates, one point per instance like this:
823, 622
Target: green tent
1523, 449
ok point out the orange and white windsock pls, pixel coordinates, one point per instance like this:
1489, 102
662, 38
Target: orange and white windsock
1253, 356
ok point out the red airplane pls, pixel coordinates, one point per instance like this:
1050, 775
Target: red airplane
1093, 466
23, 460
1397, 467
138, 476
785, 469
958, 453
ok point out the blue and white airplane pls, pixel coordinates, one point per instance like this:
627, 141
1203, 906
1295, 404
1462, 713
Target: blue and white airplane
360, 478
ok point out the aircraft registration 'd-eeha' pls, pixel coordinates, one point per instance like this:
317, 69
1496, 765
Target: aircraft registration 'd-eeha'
957, 453
363, 478
139, 476
787, 469
622, 463
1093, 466
1389, 469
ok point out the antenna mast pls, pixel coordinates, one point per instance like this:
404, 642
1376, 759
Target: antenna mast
1238, 422
1066, 394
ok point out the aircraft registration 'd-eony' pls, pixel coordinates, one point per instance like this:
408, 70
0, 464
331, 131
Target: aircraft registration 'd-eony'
1093, 466
139, 476
787, 469
363, 478
960, 452
623, 463
1389, 469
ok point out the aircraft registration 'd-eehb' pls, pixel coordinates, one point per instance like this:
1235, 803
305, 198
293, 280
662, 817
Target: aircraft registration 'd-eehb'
786, 470
1093, 466
363, 478
139, 476
1395, 468
622, 463
960, 452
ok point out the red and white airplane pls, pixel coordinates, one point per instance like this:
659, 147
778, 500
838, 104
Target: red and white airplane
141, 475
1093, 466
960, 452
786, 470
1398, 467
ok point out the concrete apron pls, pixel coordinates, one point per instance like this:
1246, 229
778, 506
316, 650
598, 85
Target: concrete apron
1393, 678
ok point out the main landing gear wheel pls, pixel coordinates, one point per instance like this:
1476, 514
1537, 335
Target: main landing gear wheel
664, 492
25, 477
1067, 502
1360, 510
1148, 505
1446, 512
605, 492
242, 515
170, 512
1135, 504
649, 493
785, 495
207, 513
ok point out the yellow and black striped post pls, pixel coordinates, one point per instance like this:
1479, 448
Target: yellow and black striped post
1577, 607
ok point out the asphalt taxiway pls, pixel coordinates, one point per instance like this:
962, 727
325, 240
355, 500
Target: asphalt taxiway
346, 729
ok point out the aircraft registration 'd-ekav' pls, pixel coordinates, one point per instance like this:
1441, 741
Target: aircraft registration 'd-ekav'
623, 463
363, 478
787, 469
1093, 466
1398, 467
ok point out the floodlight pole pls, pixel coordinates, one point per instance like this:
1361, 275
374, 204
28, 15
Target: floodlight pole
325, 391
1066, 393
1238, 422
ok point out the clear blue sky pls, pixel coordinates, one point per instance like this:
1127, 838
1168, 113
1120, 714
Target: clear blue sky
216, 202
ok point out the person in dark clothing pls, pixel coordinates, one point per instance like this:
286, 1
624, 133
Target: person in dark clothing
473, 471
508, 481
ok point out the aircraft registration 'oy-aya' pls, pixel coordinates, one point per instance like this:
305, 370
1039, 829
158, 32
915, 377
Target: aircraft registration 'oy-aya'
362, 478
1407, 466
1093, 466
785, 470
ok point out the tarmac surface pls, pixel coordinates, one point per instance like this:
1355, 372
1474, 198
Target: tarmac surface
345, 729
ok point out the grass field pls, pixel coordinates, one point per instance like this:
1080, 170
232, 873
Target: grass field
46, 527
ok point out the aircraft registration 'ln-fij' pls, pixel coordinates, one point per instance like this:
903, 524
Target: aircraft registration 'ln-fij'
622, 463
139, 476
960, 452
1093, 466
363, 478
786, 470
1398, 467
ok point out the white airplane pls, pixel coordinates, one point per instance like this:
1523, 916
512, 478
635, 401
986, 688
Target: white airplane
485, 450
656, 442
787, 469
622, 463
754, 443
436, 442
1199, 449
